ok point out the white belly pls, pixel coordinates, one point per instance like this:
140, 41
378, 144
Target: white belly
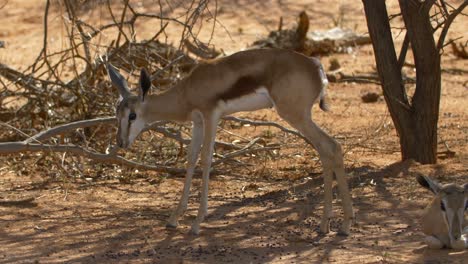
259, 100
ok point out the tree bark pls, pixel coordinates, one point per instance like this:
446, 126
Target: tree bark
415, 122
426, 98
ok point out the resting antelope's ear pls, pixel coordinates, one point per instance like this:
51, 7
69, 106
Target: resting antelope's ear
145, 83
118, 81
428, 183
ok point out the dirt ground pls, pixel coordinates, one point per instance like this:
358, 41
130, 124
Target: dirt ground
264, 213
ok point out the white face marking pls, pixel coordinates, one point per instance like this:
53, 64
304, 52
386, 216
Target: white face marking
130, 129
454, 220
135, 129
250, 102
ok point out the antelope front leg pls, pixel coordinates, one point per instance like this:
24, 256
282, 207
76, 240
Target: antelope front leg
192, 156
206, 157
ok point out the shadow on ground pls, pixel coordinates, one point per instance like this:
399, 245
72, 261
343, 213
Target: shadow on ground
275, 222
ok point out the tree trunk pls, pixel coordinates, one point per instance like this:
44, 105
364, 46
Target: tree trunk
416, 123
426, 98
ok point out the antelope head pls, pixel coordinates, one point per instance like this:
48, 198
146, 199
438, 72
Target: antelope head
129, 111
445, 215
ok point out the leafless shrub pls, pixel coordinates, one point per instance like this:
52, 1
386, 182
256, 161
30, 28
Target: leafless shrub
66, 92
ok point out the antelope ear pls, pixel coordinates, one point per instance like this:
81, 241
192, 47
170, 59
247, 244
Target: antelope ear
118, 81
145, 83
428, 183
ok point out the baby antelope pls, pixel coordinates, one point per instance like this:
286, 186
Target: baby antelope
443, 220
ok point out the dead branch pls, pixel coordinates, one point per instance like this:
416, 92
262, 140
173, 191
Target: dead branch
28, 146
157, 127
245, 150
459, 50
29, 201
315, 42
61, 129
44, 43
21, 147
178, 137
448, 23
338, 77
201, 50
266, 123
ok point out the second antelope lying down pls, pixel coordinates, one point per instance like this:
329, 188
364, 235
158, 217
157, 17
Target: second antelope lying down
444, 219
245, 81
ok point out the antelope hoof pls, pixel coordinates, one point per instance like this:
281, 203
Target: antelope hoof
172, 224
343, 231
345, 227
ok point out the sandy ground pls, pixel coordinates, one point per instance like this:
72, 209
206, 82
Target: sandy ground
266, 214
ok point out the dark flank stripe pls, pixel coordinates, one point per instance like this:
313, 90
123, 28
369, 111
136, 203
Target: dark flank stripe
243, 86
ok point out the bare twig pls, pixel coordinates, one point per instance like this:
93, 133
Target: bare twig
158, 72
448, 23
68, 127
17, 147
245, 150
266, 123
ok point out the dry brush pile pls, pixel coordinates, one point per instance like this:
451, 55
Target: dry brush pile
57, 114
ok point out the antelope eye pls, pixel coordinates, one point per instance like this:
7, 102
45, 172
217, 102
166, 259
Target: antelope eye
132, 116
442, 206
